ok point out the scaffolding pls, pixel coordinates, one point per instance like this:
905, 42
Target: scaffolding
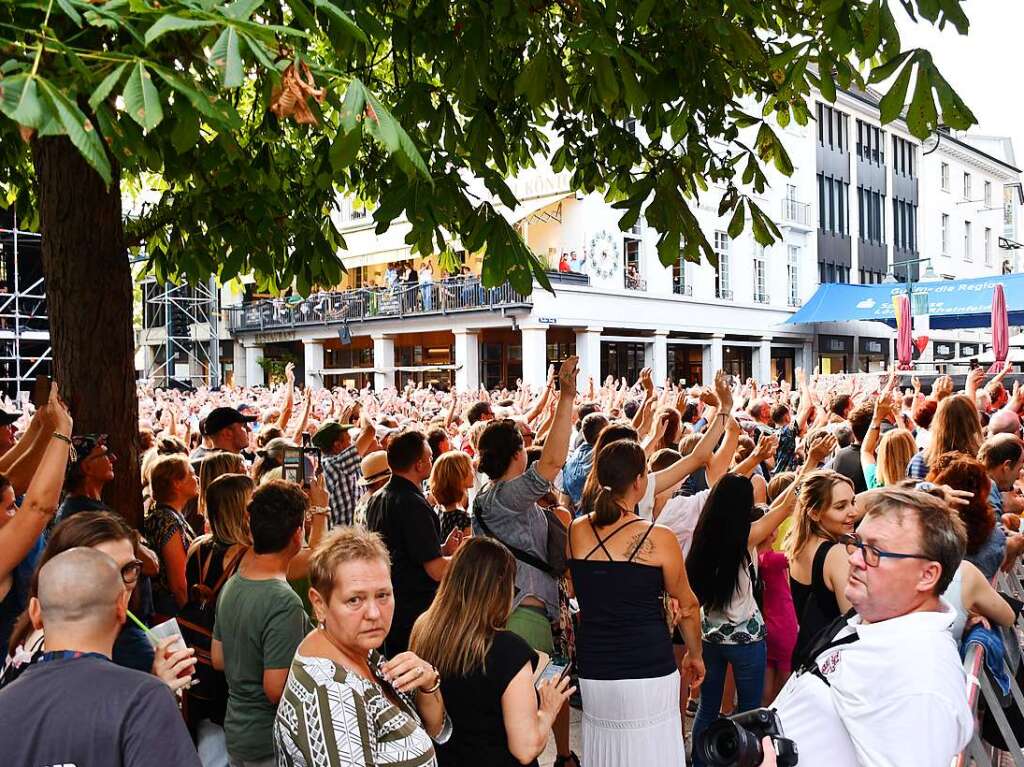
180, 337
25, 350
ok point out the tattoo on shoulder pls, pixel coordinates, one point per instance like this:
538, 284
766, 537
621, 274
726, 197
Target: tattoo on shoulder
646, 549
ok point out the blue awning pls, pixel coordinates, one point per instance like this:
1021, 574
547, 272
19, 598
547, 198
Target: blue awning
951, 303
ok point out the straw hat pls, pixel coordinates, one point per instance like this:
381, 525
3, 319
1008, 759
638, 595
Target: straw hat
374, 467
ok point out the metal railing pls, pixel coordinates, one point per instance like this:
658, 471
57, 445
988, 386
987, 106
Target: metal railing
760, 298
360, 304
725, 295
796, 212
634, 282
682, 290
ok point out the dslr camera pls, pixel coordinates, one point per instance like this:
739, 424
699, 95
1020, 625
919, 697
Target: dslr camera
736, 741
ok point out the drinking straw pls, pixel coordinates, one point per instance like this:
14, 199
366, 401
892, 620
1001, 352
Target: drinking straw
141, 625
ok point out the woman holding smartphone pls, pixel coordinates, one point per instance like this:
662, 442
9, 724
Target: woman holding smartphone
487, 673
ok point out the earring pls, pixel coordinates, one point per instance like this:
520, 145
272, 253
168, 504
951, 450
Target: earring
320, 623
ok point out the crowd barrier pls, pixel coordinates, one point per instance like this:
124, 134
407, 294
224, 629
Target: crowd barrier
984, 697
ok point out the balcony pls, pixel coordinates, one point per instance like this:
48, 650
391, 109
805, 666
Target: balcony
682, 290
796, 215
725, 295
451, 296
633, 281
760, 298
795, 302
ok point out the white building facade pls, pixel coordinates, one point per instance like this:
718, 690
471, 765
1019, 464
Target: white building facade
862, 201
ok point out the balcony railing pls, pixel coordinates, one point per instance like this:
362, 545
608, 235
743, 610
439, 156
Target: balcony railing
634, 282
760, 298
447, 296
796, 212
795, 302
725, 295
682, 290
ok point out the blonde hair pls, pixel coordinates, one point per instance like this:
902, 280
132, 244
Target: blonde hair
227, 501
164, 472
895, 452
270, 476
813, 495
448, 477
955, 427
474, 433
215, 465
471, 606
344, 544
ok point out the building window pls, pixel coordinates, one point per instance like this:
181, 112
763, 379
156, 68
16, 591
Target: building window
632, 251
680, 285
793, 275
1008, 214
988, 194
988, 245
967, 241
904, 157
723, 285
760, 279
967, 186
833, 205
869, 143
945, 234
872, 216
833, 130
944, 173
904, 225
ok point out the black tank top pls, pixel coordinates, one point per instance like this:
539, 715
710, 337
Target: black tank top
622, 633
816, 605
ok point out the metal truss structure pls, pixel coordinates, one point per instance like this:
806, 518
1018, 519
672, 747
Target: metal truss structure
181, 334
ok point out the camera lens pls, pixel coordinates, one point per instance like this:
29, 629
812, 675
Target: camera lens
727, 744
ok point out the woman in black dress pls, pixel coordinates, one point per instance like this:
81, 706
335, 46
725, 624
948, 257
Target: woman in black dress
487, 673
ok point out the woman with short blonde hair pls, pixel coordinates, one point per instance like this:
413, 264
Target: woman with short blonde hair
341, 689
450, 479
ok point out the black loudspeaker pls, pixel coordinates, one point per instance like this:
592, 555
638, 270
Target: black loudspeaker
345, 335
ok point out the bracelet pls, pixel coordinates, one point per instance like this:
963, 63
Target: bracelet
437, 684
318, 510
62, 437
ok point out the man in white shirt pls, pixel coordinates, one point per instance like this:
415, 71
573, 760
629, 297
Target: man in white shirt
888, 689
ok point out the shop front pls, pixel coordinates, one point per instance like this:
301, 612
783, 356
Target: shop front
622, 359
784, 364
873, 356
686, 363
835, 354
353, 358
425, 358
738, 361
501, 358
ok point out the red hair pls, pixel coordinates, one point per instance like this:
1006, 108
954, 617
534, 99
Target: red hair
963, 472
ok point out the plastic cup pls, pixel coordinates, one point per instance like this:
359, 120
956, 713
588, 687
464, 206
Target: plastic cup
169, 628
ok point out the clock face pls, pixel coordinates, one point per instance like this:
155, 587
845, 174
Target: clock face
604, 253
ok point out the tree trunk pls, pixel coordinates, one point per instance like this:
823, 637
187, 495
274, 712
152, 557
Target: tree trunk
89, 293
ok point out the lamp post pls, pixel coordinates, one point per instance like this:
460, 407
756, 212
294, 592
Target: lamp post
890, 278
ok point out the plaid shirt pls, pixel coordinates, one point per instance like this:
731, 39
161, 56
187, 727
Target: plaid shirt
342, 472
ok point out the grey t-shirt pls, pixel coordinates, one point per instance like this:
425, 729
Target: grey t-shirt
260, 624
91, 713
512, 515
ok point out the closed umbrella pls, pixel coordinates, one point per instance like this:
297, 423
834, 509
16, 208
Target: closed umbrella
904, 332
1000, 329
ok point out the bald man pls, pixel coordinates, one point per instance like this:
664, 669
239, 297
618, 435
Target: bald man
73, 706
1004, 422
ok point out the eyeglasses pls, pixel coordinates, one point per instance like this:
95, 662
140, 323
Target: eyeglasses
872, 554
131, 571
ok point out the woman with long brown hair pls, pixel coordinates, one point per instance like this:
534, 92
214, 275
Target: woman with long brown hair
818, 565
986, 541
956, 427
487, 672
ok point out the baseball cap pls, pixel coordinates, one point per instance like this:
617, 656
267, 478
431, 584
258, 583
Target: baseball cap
223, 417
6, 418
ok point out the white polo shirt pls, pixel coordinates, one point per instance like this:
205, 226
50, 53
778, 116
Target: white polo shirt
896, 697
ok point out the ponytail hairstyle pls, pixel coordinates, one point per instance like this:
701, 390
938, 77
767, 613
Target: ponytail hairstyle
615, 469
613, 432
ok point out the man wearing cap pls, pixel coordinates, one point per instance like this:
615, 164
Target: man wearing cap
339, 459
90, 469
227, 430
7, 430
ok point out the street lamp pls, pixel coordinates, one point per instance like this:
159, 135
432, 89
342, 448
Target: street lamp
929, 274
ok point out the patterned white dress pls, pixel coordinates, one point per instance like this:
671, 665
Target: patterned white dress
331, 717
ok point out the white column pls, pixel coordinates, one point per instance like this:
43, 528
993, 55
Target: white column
535, 355
588, 348
764, 361
239, 367
808, 359
313, 362
467, 356
253, 371
660, 352
712, 358
383, 362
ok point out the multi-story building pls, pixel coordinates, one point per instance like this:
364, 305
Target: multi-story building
865, 204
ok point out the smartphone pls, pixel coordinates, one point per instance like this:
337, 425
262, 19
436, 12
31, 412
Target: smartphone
553, 673
40, 391
293, 467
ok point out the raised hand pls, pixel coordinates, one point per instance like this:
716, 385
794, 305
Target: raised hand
724, 391
767, 447
821, 449
289, 373
567, 376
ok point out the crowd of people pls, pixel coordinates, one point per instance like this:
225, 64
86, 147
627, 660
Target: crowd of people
327, 578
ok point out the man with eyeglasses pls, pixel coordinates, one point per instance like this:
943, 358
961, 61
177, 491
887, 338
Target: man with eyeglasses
886, 685
89, 470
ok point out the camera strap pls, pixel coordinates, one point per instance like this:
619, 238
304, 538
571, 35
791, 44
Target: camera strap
826, 641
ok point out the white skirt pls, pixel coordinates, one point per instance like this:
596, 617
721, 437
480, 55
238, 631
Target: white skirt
632, 722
